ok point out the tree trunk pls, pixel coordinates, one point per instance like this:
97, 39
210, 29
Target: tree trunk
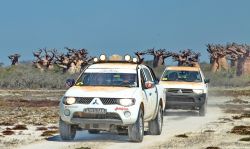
223, 63
234, 63
243, 67
219, 64
215, 66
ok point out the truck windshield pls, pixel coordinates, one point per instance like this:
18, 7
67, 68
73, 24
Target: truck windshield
107, 79
187, 76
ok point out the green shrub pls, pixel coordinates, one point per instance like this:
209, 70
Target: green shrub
26, 76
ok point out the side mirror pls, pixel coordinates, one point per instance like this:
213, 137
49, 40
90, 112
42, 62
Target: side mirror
69, 83
207, 81
149, 84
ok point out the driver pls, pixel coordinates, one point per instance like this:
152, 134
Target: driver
128, 78
99, 79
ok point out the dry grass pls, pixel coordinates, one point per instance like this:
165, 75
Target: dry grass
241, 130
8, 132
245, 115
38, 116
209, 131
182, 136
212, 147
83, 148
29, 103
245, 139
53, 127
20, 127
49, 133
237, 100
225, 119
41, 128
4, 123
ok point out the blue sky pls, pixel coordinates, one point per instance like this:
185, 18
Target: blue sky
120, 26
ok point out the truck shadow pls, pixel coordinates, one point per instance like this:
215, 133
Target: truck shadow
84, 136
181, 113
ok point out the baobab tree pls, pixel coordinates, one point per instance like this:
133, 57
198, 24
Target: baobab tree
73, 61
159, 56
46, 61
139, 55
182, 57
243, 66
193, 60
234, 52
218, 55
14, 58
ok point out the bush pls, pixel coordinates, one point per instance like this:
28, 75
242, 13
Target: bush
225, 78
26, 76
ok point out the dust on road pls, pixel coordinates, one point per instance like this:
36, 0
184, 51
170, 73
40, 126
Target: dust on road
175, 123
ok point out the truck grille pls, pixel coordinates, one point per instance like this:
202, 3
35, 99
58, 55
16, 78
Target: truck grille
178, 90
84, 100
105, 101
114, 116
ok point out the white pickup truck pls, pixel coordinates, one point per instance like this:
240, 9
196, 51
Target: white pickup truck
186, 88
113, 94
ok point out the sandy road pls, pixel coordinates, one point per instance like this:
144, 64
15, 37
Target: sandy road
175, 123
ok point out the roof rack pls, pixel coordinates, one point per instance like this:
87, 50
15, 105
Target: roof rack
115, 59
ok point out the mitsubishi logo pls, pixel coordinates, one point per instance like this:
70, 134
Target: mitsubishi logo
95, 102
180, 91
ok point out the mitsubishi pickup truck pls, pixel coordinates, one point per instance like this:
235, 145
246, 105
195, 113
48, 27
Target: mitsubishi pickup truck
185, 88
113, 94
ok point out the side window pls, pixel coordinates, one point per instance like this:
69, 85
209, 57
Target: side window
147, 75
142, 79
202, 77
153, 75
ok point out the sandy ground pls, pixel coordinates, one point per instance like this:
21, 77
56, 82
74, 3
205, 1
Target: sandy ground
182, 129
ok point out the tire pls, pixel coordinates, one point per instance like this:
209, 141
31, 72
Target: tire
67, 131
203, 109
93, 131
155, 125
136, 130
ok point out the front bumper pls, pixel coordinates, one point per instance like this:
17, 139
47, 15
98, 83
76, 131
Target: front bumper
115, 115
184, 100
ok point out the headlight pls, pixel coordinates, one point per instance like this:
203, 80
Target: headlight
126, 102
198, 91
70, 100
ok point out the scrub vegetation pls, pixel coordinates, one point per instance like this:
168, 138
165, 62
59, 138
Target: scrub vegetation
24, 76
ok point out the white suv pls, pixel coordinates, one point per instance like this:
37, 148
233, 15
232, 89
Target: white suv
186, 88
113, 95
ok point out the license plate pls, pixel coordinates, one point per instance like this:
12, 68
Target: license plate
95, 110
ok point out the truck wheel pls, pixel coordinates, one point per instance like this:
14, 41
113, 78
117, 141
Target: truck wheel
203, 109
155, 125
93, 131
67, 131
136, 130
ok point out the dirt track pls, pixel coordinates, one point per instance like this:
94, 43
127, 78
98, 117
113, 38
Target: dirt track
201, 132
